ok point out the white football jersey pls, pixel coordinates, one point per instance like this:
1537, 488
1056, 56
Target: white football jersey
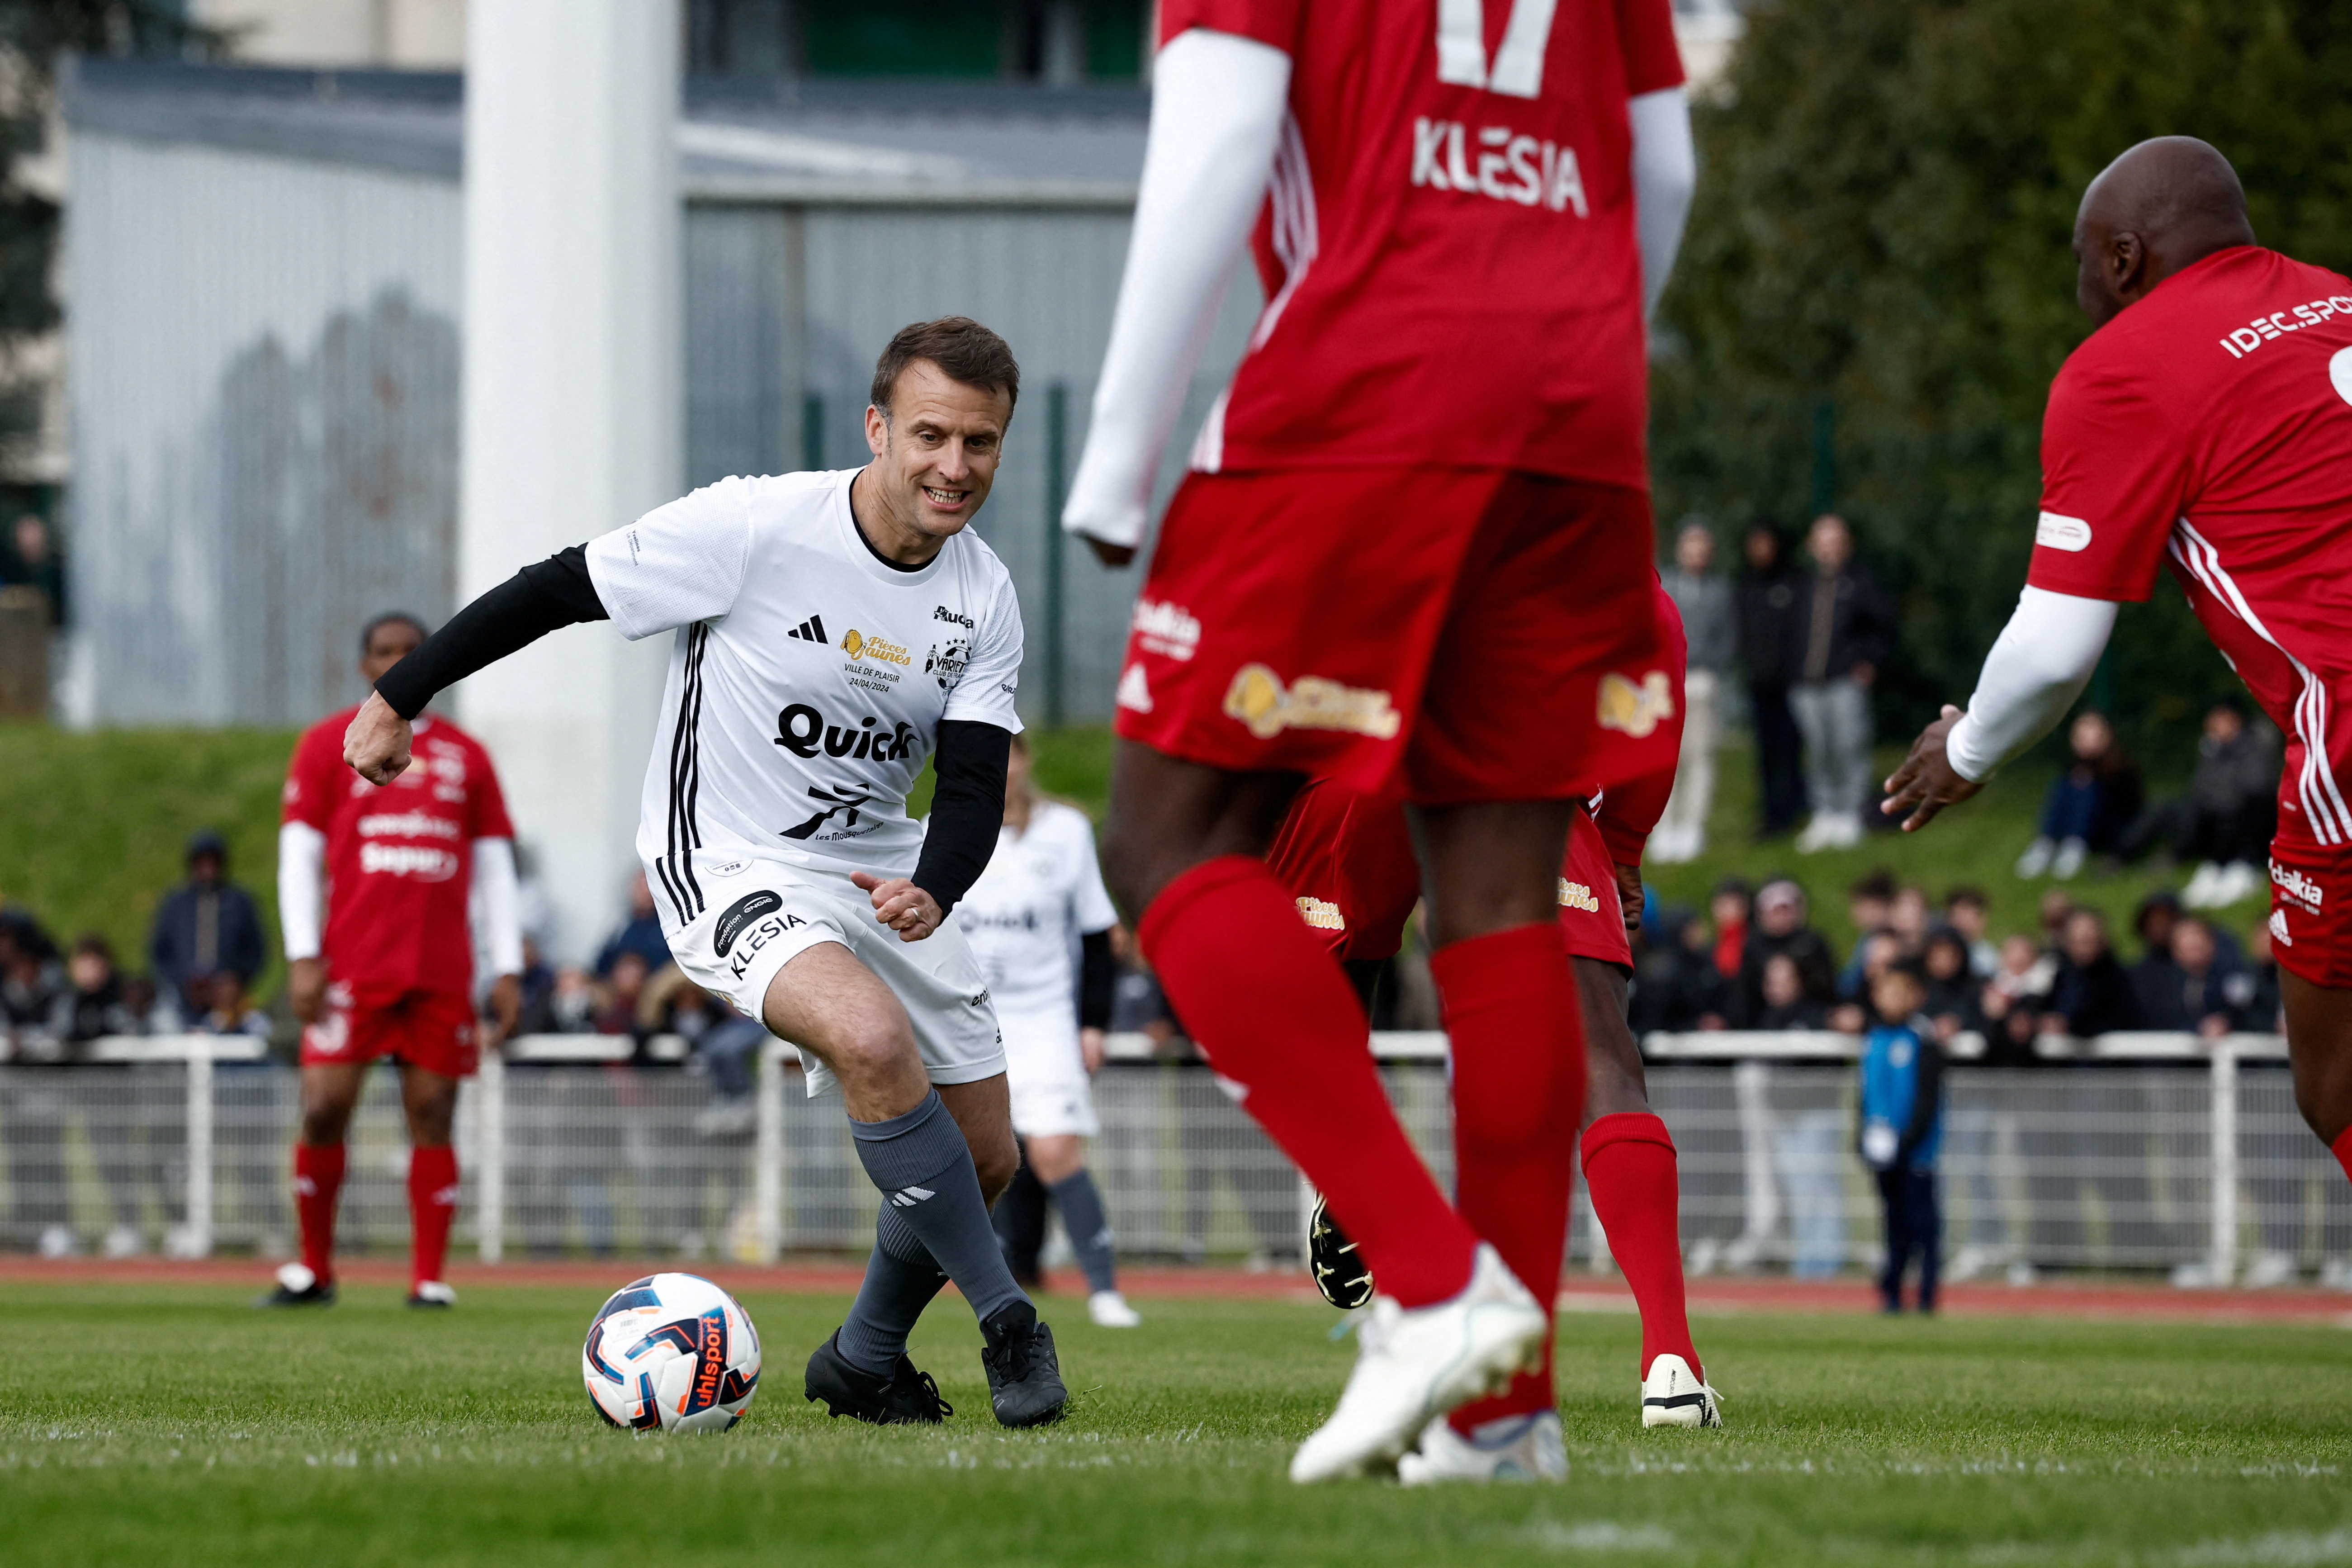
808, 680
1040, 892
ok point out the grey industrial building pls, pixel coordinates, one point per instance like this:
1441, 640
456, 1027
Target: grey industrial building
263, 284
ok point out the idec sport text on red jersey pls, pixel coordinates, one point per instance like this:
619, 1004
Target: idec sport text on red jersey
399, 856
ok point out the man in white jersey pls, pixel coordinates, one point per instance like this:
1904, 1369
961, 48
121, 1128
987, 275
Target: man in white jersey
1040, 903
831, 632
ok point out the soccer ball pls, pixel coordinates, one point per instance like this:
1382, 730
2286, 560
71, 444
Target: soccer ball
671, 1352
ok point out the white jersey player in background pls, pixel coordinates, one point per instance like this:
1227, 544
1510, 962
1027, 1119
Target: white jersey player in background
1040, 922
831, 632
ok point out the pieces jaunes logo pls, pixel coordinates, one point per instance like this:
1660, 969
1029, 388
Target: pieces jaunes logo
857, 646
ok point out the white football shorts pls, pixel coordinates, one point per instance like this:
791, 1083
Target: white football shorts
761, 917
1048, 1075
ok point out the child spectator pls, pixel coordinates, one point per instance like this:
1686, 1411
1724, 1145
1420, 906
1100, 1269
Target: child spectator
1729, 909
1676, 987
1951, 1001
1786, 1006
1870, 907
2087, 806
623, 988
227, 1012
1781, 929
2012, 1001
1967, 912
92, 1004
1908, 919
1901, 1124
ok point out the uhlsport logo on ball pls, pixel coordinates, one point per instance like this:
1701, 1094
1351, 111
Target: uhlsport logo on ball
671, 1353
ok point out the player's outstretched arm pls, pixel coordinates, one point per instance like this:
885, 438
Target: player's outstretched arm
1665, 177
2040, 664
967, 813
535, 601
1217, 108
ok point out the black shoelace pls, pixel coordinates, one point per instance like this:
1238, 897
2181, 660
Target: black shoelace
923, 1380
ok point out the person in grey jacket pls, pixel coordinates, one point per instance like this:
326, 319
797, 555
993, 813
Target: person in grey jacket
1846, 630
1711, 624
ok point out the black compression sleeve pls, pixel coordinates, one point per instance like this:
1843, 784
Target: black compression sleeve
967, 809
535, 601
1097, 977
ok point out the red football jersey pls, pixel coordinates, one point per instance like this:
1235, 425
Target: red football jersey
2209, 425
1447, 247
400, 858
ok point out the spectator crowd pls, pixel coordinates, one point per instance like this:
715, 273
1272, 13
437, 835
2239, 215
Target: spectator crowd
1756, 960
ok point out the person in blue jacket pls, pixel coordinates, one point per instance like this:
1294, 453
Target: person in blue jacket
1902, 1126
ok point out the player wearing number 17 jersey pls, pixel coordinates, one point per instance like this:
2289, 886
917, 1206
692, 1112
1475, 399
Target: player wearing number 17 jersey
2205, 426
1412, 556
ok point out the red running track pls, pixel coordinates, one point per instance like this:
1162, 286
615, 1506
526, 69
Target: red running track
2153, 1302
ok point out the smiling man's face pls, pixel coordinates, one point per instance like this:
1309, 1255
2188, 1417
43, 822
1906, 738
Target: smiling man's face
935, 456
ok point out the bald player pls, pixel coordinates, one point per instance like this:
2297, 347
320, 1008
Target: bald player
2205, 425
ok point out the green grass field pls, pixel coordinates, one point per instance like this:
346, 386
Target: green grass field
168, 1424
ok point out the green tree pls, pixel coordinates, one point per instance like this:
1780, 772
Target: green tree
1878, 269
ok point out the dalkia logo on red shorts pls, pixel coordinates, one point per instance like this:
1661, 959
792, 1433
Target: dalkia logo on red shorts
1637, 709
2299, 889
1258, 698
1169, 630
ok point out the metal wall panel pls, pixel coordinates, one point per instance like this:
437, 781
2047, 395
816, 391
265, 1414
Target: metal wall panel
264, 385
265, 395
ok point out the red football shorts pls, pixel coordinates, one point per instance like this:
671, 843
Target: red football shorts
2311, 913
1451, 634
1591, 916
1346, 859
429, 1029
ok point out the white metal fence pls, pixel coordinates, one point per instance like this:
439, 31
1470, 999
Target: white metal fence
2130, 1152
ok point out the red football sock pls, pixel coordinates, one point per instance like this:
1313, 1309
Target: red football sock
318, 1183
432, 1204
2343, 1147
1518, 1094
1273, 1013
1629, 1169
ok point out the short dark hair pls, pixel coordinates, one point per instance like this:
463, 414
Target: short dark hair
390, 617
1967, 893
964, 350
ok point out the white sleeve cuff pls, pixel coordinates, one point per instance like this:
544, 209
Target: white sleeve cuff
2037, 667
301, 890
500, 895
1218, 104
1665, 175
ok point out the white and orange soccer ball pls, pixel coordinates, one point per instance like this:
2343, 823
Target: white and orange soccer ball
671, 1353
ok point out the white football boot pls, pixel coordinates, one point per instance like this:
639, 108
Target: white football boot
1508, 1448
1672, 1396
1420, 1362
1109, 1310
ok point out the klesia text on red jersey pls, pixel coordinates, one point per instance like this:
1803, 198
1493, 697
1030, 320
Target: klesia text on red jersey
1508, 168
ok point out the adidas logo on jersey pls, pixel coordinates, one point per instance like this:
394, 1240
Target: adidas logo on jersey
811, 630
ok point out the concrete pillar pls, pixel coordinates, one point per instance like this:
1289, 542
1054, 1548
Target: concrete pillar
573, 410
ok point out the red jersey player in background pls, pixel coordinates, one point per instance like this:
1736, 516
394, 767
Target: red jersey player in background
1349, 860
392, 975
1415, 556
2206, 425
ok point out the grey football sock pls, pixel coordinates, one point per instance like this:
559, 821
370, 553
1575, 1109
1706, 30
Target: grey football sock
900, 1280
1082, 1216
926, 1174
